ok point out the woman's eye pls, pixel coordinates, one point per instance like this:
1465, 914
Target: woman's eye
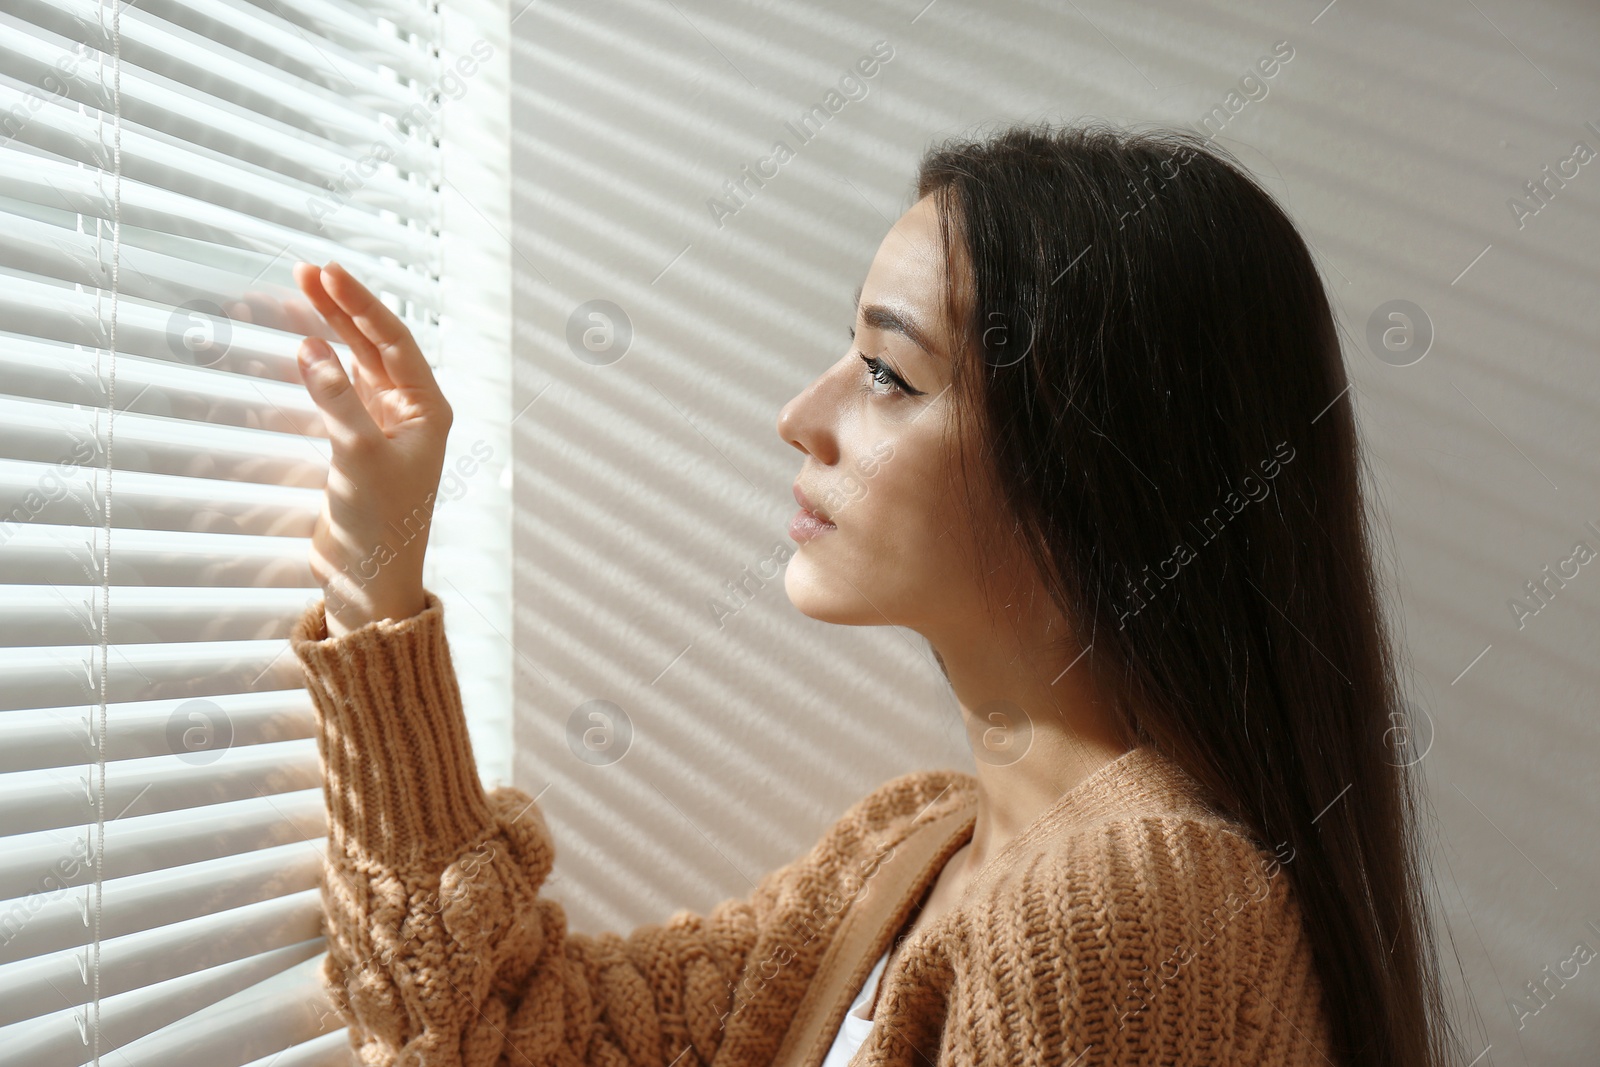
881, 375
884, 377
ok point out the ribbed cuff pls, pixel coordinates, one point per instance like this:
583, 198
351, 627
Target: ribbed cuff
399, 776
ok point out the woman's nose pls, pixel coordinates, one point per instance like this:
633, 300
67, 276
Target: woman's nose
807, 421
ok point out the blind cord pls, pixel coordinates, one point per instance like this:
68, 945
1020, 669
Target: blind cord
105, 573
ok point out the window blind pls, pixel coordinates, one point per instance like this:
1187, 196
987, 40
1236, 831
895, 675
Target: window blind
162, 166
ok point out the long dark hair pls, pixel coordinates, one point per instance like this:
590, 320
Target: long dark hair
1155, 376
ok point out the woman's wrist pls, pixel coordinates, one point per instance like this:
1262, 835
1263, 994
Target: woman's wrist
345, 613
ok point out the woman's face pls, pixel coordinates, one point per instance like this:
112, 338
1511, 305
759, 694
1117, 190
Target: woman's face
877, 446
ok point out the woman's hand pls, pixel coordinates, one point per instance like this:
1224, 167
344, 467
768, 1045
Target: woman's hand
387, 427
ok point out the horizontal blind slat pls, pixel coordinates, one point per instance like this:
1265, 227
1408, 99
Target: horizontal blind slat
162, 268
54, 250
44, 984
51, 370
332, 1049
362, 239
40, 864
46, 431
39, 615
44, 309
50, 311
406, 16
206, 773
203, 174
186, 57
37, 738
68, 495
60, 1039
57, 676
356, 30
410, 16
145, 901
46, 554
287, 1009
266, 35
58, 65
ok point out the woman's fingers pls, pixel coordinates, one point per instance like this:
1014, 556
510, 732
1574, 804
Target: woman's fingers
402, 359
309, 277
370, 397
334, 394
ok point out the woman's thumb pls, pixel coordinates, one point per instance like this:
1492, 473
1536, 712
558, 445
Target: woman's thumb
332, 391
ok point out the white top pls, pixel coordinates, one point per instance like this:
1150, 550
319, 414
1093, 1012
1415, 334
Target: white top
854, 1027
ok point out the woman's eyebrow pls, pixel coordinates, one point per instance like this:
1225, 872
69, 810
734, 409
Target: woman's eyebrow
886, 318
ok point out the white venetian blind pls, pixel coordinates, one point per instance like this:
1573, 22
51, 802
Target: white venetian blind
162, 166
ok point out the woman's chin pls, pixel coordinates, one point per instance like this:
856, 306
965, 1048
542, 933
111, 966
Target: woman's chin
805, 588
819, 596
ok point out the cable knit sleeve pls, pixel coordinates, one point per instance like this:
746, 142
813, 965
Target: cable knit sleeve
1147, 939
441, 951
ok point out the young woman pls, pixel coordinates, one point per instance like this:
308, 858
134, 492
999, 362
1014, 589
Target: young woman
1094, 441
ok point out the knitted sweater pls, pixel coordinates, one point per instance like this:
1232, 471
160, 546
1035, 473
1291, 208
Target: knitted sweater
1127, 924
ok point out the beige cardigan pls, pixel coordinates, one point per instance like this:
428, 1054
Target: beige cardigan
1128, 924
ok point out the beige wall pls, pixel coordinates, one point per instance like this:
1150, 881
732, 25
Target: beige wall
644, 485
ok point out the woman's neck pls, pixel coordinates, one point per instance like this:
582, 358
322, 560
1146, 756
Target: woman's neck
1036, 720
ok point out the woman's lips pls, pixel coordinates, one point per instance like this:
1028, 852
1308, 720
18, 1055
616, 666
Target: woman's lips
806, 526
807, 523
